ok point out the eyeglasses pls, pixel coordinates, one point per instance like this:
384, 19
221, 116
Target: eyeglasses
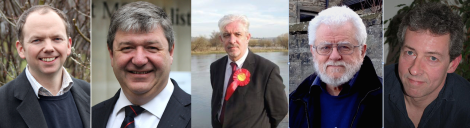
343, 49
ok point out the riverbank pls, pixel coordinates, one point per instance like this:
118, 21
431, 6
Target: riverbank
221, 50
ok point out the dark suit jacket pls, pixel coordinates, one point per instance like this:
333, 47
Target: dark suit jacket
20, 107
177, 112
261, 103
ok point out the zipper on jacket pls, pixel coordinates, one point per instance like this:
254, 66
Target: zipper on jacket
359, 105
305, 111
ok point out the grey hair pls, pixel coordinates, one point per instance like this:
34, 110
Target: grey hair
140, 17
227, 19
337, 16
43, 9
438, 19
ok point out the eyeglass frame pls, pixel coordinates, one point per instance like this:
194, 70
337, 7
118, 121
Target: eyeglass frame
337, 45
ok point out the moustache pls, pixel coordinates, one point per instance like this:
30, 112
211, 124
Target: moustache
232, 45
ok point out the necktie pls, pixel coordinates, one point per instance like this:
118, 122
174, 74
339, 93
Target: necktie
131, 112
227, 92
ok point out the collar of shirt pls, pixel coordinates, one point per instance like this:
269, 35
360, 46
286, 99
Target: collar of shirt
239, 62
40, 90
156, 106
318, 82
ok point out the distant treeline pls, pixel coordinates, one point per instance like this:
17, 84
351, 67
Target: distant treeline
212, 43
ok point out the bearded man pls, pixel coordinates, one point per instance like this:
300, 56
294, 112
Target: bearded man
345, 90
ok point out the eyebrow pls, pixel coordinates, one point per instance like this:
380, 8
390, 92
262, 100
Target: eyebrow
433, 53
131, 43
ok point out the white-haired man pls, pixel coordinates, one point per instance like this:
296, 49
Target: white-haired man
247, 89
344, 91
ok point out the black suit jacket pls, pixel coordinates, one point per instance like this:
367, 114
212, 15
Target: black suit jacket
261, 103
19, 105
177, 112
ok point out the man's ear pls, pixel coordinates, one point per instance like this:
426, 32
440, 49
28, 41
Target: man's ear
110, 50
69, 47
20, 49
364, 50
454, 64
171, 53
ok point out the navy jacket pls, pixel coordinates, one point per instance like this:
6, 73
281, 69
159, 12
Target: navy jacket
369, 109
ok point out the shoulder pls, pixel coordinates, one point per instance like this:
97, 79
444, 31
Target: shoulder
85, 86
304, 87
6, 91
461, 87
219, 62
261, 64
180, 95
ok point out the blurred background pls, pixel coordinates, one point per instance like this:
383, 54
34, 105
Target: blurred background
78, 12
104, 83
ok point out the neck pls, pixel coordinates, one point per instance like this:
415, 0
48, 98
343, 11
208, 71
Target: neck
144, 98
415, 106
51, 82
334, 90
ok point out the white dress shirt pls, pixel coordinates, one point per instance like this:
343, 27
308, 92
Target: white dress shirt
40, 90
228, 75
152, 114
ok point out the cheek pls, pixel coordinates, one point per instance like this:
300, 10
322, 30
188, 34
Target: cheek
121, 60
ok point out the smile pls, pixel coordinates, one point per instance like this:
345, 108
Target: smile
48, 59
134, 72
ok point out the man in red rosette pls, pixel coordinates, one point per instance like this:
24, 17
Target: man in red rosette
344, 91
247, 89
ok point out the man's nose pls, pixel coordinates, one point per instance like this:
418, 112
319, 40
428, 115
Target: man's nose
48, 46
140, 57
334, 55
415, 68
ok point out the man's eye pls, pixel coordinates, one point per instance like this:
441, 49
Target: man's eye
432, 58
409, 53
36, 40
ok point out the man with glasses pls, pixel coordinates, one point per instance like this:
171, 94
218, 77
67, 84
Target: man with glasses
344, 91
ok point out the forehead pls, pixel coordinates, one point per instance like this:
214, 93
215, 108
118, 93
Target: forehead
48, 20
235, 26
336, 33
135, 37
425, 41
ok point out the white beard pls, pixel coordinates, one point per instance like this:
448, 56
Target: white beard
351, 70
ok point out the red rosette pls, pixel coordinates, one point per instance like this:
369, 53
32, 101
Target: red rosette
242, 77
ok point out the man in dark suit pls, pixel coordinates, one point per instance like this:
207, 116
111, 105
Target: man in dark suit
44, 95
247, 90
140, 44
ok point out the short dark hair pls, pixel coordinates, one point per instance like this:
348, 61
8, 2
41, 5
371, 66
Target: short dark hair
43, 9
140, 17
439, 20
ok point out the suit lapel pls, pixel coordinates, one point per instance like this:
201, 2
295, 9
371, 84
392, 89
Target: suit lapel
29, 109
100, 117
220, 82
249, 65
83, 104
178, 110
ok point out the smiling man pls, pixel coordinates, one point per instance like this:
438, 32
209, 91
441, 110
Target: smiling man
344, 91
141, 45
44, 94
247, 89
422, 90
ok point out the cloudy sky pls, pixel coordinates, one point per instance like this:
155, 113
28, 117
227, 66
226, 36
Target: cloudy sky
268, 18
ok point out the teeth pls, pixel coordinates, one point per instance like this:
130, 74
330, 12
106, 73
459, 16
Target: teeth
140, 72
48, 59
